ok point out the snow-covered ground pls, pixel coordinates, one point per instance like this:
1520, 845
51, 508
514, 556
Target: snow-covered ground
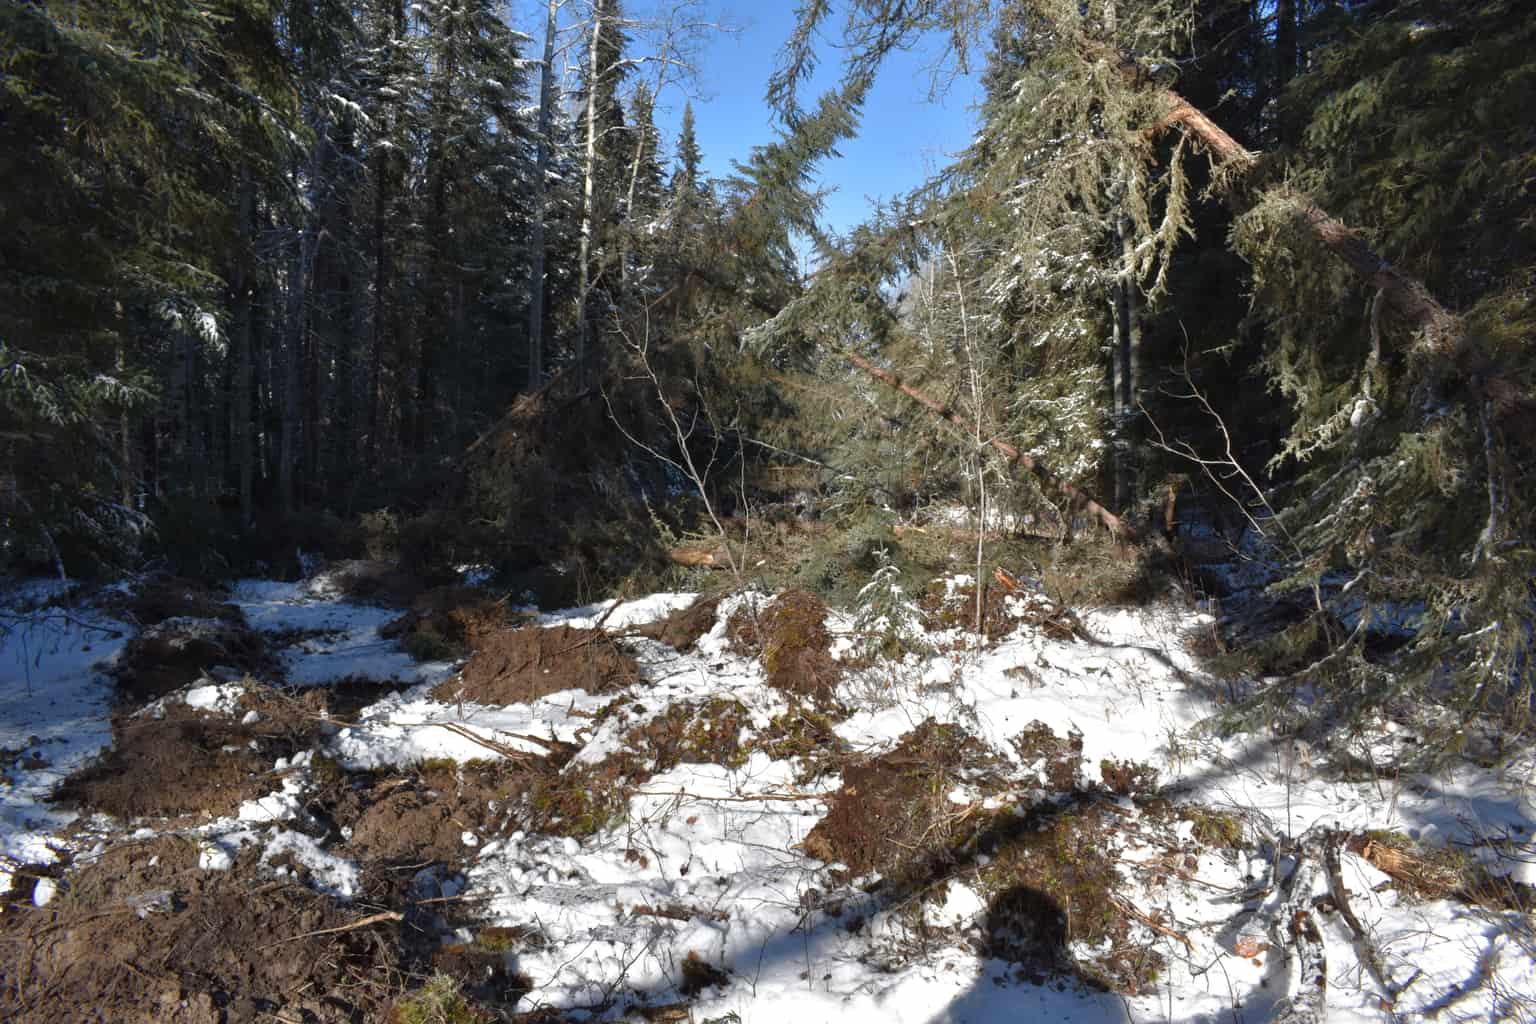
719, 847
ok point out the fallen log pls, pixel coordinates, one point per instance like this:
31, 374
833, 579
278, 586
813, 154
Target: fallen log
1442, 332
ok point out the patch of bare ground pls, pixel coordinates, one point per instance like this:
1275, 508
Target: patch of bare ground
806, 737
1059, 760
422, 817
176, 652
682, 629
894, 815
142, 934
446, 622
789, 636
512, 666
183, 760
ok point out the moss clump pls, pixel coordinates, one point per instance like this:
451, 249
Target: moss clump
1058, 861
708, 733
954, 607
894, 815
807, 737
439, 1001
1220, 830
579, 803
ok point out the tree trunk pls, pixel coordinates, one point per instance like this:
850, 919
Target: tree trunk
588, 213
536, 274
240, 409
1072, 493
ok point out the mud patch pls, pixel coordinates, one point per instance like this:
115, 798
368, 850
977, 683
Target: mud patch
789, 636
177, 652
513, 666
141, 934
682, 629
894, 814
187, 760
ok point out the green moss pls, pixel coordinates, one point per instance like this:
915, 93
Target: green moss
1220, 830
1053, 878
439, 1001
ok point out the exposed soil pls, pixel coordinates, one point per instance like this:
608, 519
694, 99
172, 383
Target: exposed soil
143, 934
893, 814
186, 760
422, 819
1059, 760
514, 665
790, 637
708, 733
176, 652
682, 629
445, 622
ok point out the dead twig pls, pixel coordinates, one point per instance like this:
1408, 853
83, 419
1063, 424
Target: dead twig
362, 922
1127, 907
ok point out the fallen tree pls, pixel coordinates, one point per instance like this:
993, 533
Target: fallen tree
1076, 495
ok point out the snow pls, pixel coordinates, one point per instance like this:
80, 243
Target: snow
54, 714
707, 862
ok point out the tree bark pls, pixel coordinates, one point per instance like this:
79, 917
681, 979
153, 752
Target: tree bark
588, 184
1077, 496
240, 408
536, 273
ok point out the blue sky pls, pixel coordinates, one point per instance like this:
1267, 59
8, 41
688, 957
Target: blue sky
905, 136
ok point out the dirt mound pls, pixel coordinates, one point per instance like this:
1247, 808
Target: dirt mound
174, 597
445, 622
791, 640
176, 652
361, 579
141, 934
423, 819
512, 666
893, 814
191, 761
682, 629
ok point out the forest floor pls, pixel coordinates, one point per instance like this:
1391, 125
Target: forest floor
257, 805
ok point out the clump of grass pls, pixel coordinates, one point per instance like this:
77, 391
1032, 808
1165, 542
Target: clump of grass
439, 1001
1220, 830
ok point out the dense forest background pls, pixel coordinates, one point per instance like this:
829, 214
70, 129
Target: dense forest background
326, 276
